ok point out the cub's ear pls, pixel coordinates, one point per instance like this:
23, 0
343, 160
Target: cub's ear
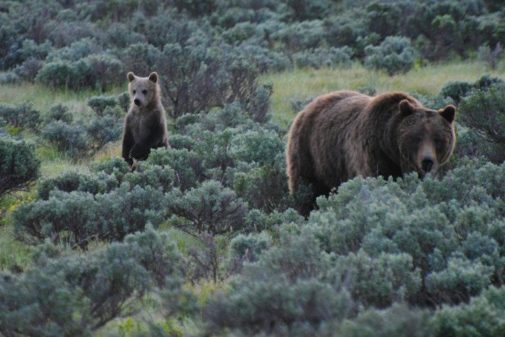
131, 76
153, 77
406, 108
449, 112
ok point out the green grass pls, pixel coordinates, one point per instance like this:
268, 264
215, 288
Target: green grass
14, 255
43, 98
307, 83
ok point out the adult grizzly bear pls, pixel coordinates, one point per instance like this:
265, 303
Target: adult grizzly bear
345, 134
145, 126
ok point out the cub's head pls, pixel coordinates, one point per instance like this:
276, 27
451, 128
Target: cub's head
426, 137
143, 90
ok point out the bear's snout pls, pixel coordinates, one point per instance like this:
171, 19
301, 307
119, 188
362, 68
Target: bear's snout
136, 101
427, 165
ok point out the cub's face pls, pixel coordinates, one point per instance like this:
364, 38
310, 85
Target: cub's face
143, 90
426, 138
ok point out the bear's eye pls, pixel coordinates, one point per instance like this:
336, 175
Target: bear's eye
134, 92
144, 92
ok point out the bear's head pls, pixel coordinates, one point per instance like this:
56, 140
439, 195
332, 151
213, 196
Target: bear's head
143, 90
426, 137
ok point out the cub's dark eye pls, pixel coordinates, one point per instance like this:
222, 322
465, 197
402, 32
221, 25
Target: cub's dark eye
134, 92
144, 92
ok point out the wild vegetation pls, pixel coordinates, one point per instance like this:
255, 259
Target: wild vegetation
202, 239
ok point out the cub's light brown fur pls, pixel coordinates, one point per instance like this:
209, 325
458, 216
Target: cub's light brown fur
345, 134
145, 124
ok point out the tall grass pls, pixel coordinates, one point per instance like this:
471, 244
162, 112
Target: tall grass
307, 83
43, 98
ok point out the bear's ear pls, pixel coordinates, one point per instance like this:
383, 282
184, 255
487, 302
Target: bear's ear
406, 108
449, 112
131, 76
153, 77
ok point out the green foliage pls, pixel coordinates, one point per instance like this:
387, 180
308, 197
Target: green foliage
397, 321
59, 112
319, 57
378, 281
484, 110
68, 138
247, 248
282, 293
18, 164
195, 7
140, 58
73, 181
375, 243
483, 316
9, 78
81, 138
394, 55
301, 36
186, 164
76, 218
198, 78
100, 103
62, 74
28, 70
456, 90
94, 71
21, 116
103, 130
75, 295
208, 208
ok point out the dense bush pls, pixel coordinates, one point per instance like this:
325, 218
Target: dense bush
482, 316
247, 248
18, 163
375, 243
83, 137
397, 321
208, 208
100, 103
76, 218
71, 139
59, 112
198, 78
75, 295
484, 110
29, 69
73, 181
394, 55
62, 74
96, 71
322, 57
301, 35
20, 116
282, 292
103, 130
458, 90
62, 42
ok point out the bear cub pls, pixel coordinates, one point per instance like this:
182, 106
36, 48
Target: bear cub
345, 134
145, 126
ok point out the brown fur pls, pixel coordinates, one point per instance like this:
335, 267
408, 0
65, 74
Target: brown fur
345, 134
145, 124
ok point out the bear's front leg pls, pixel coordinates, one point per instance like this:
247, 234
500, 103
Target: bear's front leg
128, 143
139, 151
